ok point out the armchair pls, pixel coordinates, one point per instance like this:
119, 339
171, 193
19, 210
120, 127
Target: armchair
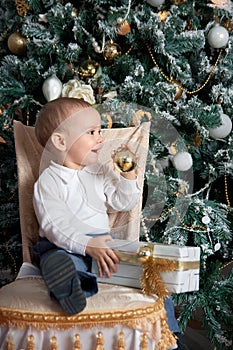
117, 317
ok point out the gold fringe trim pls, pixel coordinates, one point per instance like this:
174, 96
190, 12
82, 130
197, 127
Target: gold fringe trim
144, 342
31, 344
168, 339
100, 341
9, 343
121, 342
77, 343
53, 342
132, 317
145, 319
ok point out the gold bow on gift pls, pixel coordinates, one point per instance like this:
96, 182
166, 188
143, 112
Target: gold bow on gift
151, 280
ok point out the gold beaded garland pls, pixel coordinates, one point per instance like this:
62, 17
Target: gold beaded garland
171, 80
226, 194
162, 216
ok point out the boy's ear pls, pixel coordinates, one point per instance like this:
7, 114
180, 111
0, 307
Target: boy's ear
58, 141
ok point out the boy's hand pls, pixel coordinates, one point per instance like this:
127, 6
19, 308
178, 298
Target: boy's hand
130, 175
105, 258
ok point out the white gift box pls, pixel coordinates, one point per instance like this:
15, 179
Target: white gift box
184, 278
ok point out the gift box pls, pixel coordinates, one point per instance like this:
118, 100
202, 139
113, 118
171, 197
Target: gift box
154, 268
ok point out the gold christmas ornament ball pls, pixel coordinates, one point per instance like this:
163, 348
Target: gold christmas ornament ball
144, 251
125, 161
111, 51
17, 43
88, 69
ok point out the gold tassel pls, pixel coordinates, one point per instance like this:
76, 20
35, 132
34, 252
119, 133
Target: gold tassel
121, 342
53, 342
77, 343
144, 342
100, 341
151, 281
31, 344
9, 343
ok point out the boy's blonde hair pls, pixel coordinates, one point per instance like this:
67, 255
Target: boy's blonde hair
54, 113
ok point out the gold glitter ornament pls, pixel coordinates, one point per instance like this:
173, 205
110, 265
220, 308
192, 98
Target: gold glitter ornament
163, 15
22, 7
111, 51
228, 25
89, 68
17, 43
124, 28
125, 160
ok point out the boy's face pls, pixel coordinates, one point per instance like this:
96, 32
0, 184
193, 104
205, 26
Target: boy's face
83, 138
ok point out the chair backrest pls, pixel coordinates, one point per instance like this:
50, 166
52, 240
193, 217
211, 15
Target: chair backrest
126, 225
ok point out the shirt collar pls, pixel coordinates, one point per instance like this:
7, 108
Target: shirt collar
66, 174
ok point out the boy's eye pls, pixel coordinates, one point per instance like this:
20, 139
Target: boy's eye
92, 132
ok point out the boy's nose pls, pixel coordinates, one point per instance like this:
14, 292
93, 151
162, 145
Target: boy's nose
100, 139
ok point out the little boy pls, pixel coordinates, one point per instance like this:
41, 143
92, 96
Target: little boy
70, 200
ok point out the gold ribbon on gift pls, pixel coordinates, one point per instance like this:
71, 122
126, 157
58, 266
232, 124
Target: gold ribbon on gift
151, 280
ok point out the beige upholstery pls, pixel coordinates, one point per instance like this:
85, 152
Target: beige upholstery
29, 154
28, 315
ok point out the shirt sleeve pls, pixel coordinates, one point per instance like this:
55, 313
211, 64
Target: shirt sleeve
122, 194
57, 223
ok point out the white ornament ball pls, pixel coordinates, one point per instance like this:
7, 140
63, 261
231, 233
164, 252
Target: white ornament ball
155, 3
206, 219
183, 161
218, 37
223, 130
52, 88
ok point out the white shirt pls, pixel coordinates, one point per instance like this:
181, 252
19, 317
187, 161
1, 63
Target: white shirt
69, 204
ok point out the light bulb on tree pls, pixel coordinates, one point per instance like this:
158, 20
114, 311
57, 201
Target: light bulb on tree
218, 37
223, 130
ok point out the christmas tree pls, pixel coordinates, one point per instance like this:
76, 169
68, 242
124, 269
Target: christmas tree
167, 61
